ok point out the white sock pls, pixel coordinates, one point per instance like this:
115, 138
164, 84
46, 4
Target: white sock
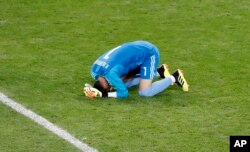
172, 78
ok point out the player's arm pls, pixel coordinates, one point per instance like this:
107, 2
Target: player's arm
117, 83
120, 88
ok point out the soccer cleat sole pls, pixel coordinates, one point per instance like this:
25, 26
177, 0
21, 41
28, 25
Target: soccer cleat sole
182, 81
166, 71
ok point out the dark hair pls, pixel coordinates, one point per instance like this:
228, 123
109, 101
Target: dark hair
100, 87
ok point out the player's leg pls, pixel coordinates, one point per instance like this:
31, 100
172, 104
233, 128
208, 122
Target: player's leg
132, 78
149, 89
148, 71
132, 82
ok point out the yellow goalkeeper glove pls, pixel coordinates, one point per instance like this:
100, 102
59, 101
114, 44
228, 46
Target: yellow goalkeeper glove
91, 92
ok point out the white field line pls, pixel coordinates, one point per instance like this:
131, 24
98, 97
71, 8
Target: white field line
46, 124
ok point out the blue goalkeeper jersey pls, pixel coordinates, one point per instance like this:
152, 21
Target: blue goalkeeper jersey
140, 56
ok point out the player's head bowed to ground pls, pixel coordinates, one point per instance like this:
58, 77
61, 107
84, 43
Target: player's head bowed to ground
128, 65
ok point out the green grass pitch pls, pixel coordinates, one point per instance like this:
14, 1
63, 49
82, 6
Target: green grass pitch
47, 48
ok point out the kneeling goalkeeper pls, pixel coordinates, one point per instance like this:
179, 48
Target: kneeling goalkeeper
131, 64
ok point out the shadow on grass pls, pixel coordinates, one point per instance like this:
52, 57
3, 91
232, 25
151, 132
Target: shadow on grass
173, 96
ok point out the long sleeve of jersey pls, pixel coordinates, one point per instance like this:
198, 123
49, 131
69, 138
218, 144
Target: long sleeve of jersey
116, 82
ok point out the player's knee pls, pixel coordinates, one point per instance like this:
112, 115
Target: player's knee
146, 92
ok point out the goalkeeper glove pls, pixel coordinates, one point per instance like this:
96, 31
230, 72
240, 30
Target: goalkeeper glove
91, 92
